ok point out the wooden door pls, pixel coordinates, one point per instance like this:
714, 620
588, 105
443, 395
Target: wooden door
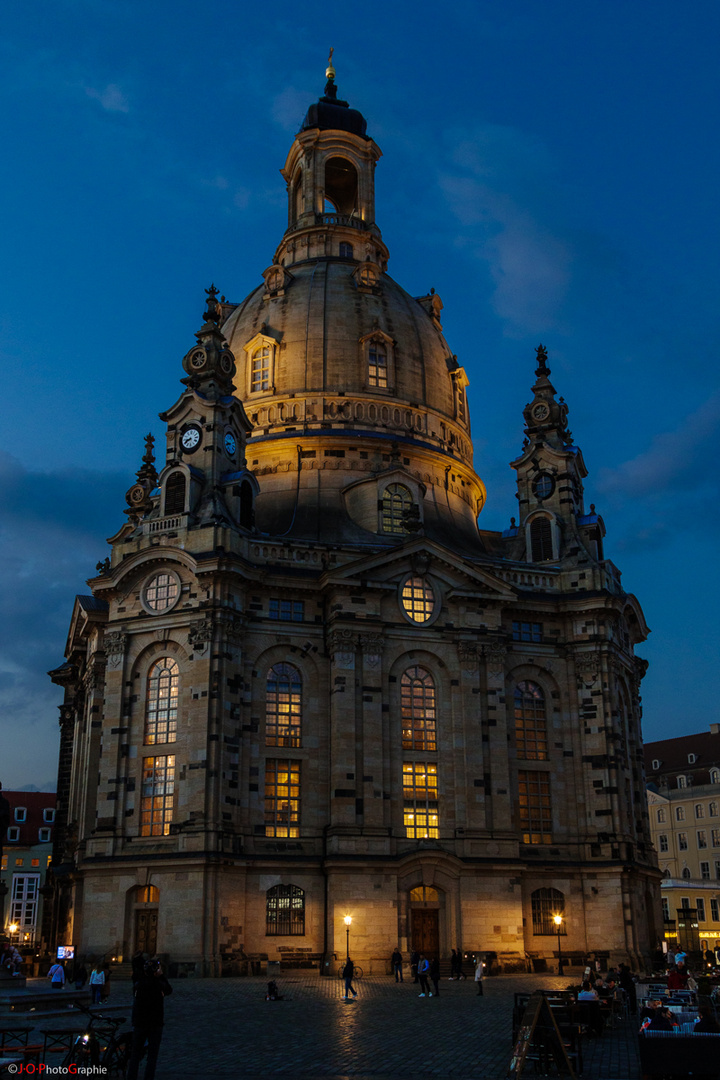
146, 930
425, 936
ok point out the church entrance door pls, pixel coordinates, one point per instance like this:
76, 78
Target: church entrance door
425, 936
146, 930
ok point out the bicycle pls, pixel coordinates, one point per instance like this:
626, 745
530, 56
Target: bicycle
100, 1044
357, 973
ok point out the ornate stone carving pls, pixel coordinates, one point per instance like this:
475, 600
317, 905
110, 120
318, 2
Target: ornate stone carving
372, 646
342, 645
587, 668
494, 653
468, 652
115, 644
200, 634
94, 678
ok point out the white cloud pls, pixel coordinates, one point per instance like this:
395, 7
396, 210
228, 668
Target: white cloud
289, 108
111, 98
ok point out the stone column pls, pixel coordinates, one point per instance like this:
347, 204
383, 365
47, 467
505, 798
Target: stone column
345, 785
498, 793
372, 732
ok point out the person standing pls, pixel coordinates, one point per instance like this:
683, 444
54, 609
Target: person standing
414, 961
97, 981
80, 976
148, 1016
348, 972
460, 973
56, 974
423, 972
396, 961
479, 976
453, 964
435, 974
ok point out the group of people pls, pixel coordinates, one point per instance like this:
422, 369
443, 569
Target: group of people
99, 979
11, 959
426, 970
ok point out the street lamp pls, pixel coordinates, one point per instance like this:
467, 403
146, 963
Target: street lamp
348, 921
558, 920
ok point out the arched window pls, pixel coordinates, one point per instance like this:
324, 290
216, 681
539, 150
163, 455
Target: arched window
396, 501
162, 701
713, 809
346, 251
546, 904
686, 874
679, 813
341, 185
285, 911
682, 781
699, 810
530, 722
260, 369
417, 691
541, 539
283, 706
661, 816
715, 776
175, 488
377, 360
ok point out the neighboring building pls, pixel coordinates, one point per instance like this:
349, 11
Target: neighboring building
306, 686
27, 850
684, 807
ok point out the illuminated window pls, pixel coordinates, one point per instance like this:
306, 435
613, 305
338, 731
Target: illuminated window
417, 696
418, 599
535, 809
682, 841
699, 810
679, 813
368, 276
3, 862
715, 836
162, 592
424, 894
283, 706
282, 798
541, 539
148, 894
162, 701
19, 862
287, 610
663, 841
420, 797
661, 816
377, 363
34, 862
530, 726
396, 501
158, 789
546, 904
285, 911
260, 369
24, 900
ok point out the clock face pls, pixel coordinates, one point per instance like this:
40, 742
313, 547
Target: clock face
190, 439
541, 411
230, 444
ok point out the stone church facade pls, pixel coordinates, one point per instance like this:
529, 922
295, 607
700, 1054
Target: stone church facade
306, 686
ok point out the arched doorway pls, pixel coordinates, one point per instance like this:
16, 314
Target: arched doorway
147, 898
425, 920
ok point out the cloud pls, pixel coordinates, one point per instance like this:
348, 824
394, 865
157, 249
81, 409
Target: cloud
504, 216
675, 461
289, 107
51, 536
111, 98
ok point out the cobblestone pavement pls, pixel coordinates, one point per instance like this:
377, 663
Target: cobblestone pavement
224, 1028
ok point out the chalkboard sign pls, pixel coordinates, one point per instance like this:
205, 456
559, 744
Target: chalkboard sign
539, 1030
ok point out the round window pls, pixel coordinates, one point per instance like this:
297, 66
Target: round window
418, 599
543, 486
161, 592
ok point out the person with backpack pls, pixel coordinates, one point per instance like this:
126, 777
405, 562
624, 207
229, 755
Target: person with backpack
423, 972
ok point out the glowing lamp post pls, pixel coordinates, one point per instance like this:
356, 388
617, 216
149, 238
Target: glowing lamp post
558, 920
348, 922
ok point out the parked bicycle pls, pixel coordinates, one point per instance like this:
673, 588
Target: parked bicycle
101, 1043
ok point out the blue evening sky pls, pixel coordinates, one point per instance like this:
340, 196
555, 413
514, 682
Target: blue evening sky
551, 169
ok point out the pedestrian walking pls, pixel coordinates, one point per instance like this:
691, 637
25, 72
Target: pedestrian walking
348, 973
56, 974
423, 972
148, 1016
479, 976
396, 961
414, 961
435, 975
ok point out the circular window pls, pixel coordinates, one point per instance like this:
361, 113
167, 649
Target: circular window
161, 592
418, 599
543, 486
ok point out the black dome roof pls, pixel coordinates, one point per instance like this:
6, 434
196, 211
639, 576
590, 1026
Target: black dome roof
329, 113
